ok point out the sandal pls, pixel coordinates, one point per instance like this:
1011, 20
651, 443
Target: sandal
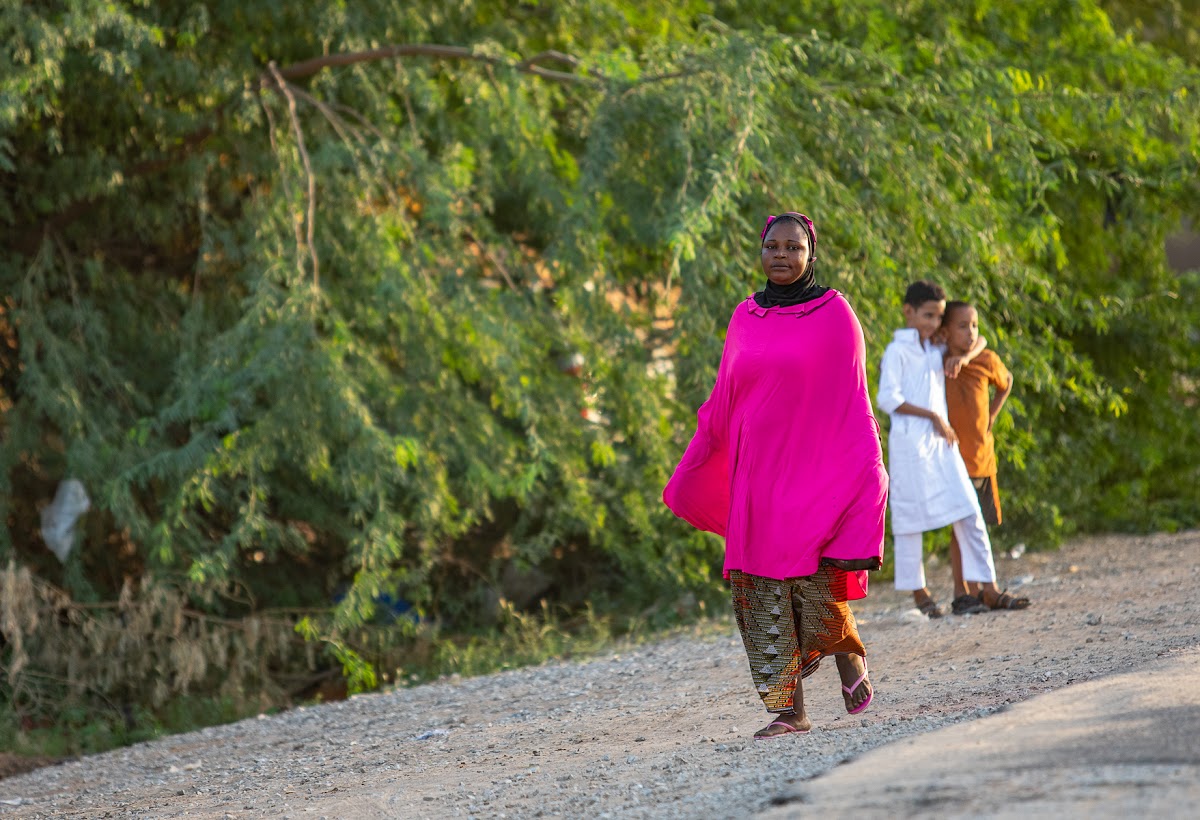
788, 729
850, 690
930, 609
968, 605
1006, 601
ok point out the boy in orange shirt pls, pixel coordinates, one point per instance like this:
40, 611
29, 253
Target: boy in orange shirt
972, 414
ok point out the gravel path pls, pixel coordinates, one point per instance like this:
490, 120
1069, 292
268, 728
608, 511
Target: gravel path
658, 730
1116, 747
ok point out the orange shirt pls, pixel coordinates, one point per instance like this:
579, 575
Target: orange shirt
968, 403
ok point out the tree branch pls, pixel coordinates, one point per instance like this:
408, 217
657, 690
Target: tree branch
569, 59
355, 142
307, 68
283, 177
308, 171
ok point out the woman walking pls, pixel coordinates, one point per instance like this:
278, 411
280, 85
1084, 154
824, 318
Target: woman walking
786, 464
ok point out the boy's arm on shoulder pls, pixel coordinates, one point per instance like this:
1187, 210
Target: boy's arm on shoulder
976, 349
953, 365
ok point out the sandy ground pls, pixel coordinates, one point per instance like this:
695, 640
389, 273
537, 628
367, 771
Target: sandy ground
663, 729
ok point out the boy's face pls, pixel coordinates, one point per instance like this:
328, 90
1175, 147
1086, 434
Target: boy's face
962, 329
925, 317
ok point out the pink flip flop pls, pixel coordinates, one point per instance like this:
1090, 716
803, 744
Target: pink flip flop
850, 690
791, 730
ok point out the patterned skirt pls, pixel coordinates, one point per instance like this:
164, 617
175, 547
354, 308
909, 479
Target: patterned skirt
788, 626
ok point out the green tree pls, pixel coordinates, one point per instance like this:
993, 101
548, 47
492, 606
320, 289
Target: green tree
295, 289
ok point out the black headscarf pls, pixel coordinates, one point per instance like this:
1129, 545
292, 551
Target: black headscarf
804, 289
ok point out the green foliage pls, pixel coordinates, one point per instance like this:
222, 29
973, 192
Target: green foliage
1173, 25
82, 730
301, 333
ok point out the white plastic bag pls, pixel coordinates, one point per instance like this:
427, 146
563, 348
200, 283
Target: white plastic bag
59, 517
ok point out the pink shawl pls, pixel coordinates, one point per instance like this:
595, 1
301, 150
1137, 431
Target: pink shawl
786, 460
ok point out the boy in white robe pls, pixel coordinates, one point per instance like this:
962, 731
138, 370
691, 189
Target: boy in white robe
930, 487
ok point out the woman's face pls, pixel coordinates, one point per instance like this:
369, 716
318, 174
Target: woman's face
785, 252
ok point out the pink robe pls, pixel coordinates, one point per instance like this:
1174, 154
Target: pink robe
786, 461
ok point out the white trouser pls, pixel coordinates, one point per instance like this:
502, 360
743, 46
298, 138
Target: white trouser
973, 542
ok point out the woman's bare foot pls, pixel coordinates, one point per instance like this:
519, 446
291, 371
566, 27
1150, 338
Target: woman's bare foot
785, 724
850, 669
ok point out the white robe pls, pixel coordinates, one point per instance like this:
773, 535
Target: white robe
930, 487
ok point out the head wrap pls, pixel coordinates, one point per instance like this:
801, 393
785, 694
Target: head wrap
805, 288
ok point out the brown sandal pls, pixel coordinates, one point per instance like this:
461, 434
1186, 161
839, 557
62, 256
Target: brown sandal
930, 609
1006, 601
968, 605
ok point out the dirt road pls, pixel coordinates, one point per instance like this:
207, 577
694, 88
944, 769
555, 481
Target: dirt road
658, 730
